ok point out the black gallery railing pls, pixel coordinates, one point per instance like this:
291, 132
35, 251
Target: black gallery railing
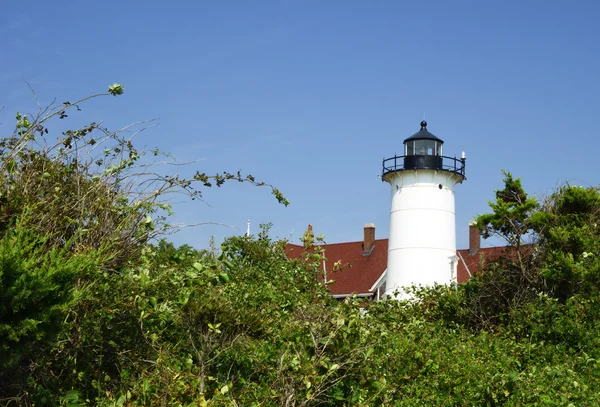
424, 162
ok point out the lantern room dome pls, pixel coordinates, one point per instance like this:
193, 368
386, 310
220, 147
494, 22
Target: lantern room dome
423, 134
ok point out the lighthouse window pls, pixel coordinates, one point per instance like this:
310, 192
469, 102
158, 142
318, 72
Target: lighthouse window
425, 147
430, 145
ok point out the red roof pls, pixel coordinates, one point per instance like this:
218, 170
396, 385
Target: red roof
469, 263
360, 272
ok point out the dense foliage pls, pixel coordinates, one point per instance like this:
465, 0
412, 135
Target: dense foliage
95, 312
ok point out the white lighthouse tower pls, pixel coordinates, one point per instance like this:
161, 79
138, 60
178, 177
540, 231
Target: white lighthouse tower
422, 243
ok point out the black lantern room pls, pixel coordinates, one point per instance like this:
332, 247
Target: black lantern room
423, 151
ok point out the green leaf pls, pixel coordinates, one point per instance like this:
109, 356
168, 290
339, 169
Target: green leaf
115, 89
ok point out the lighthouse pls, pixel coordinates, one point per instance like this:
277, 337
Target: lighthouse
422, 243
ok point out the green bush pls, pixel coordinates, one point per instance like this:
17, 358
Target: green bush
94, 314
36, 289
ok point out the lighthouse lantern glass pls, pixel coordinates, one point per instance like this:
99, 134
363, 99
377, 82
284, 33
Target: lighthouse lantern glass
423, 147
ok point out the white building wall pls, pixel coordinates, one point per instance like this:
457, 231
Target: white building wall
422, 243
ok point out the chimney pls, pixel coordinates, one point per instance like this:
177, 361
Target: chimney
309, 238
474, 238
369, 240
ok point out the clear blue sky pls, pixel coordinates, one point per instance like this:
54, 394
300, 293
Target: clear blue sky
311, 95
